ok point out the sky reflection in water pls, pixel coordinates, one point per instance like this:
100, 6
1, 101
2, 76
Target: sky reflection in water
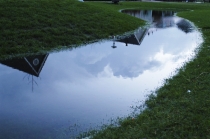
90, 84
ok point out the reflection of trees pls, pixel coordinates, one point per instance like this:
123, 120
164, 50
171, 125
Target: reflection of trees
160, 19
163, 19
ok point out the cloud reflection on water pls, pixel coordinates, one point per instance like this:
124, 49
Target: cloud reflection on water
91, 83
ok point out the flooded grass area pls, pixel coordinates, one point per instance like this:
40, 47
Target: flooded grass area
178, 109
57, 95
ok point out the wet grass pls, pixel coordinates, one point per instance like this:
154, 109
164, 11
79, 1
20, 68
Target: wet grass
179, 109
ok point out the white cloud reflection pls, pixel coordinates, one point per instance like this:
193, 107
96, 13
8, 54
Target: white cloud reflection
95, 82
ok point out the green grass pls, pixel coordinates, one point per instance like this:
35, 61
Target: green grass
33, 26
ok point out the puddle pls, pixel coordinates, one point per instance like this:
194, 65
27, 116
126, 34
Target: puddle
58, 95
162, 19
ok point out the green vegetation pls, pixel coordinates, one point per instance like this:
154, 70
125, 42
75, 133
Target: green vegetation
31, 26
179, 109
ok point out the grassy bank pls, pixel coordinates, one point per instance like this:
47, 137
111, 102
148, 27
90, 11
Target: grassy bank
179, 109
29, 26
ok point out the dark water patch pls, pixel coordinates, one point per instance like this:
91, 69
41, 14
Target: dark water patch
29, 64
162, 19
185, 26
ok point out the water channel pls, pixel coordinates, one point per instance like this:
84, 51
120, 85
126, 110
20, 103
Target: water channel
57, 95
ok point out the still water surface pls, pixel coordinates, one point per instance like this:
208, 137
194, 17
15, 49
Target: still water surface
58, 95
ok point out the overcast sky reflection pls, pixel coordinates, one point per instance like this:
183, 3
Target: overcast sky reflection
90, 83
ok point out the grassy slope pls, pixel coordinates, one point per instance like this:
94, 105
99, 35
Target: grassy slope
174, 112
37, 25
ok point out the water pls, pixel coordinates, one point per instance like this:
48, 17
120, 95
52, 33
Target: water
58, 95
